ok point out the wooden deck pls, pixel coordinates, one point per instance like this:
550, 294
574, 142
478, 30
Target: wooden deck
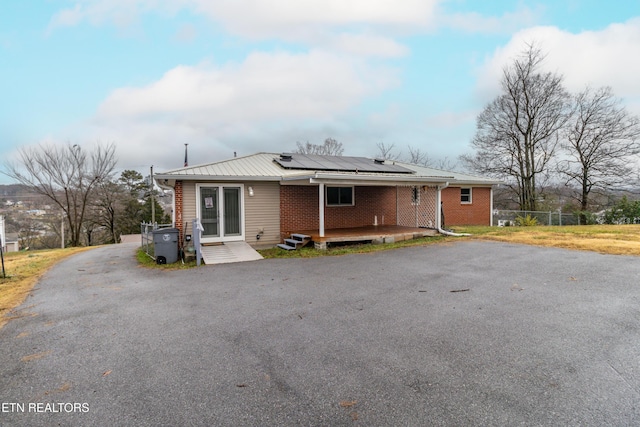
372, 232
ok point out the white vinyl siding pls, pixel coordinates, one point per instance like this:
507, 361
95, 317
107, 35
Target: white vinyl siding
262, 212
188, 205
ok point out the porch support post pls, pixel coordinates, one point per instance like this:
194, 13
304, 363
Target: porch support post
321, 209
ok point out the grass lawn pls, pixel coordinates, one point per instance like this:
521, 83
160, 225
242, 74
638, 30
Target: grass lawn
23, 269
360, 248
146, 261
606, 239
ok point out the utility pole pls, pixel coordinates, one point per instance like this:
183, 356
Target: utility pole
153, 203
4, 275
2, 239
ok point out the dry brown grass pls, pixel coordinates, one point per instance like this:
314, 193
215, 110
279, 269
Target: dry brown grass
606, 239
23, 269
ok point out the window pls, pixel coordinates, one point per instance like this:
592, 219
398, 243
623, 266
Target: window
465, 195
339, 196
415, 195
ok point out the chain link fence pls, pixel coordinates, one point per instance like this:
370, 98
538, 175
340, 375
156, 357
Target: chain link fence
505, 218
146, 233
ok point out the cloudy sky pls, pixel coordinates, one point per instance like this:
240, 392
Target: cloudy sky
245, 76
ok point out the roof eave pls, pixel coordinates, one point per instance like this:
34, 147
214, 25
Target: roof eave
475, 182
178, 177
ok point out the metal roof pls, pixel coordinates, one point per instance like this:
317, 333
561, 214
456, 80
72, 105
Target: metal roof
267, 167
258, 166
456, 177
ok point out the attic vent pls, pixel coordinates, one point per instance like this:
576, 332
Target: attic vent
285, 157
379, 161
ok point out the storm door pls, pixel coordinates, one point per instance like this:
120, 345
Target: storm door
220, 212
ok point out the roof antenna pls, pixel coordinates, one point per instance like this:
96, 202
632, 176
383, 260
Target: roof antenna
186, 163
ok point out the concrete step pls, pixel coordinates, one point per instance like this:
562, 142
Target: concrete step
292, 242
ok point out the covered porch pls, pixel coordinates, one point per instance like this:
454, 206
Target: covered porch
329, 208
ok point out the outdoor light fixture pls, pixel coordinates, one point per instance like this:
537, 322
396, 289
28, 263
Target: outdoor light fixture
251, 191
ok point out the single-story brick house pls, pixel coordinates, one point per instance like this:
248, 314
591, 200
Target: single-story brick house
262, 198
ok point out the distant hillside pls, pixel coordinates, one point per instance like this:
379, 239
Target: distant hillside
19, 193
14, 190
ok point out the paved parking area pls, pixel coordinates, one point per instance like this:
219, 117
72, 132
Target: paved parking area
465, 333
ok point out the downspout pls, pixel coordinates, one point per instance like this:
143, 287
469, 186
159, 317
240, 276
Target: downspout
439, 213
321, 209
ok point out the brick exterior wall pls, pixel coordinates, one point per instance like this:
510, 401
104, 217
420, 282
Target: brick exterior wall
478, 212
177, 191
299, 209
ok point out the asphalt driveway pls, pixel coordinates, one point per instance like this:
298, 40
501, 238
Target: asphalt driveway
466, 333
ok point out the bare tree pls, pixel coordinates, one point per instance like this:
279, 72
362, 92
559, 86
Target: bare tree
331, 147
107, 209
387, 152
444, 164
518, 132
600, 141
28, 233
418, 157
66, 175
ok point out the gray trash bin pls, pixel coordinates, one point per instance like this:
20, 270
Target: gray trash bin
165, 245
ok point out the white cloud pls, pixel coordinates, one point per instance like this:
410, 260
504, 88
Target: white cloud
366, 45
248, 104
186, 34
67, 17
304, 21
293, 19
474, 22
119, 12
357, 27
262, 87
596, 58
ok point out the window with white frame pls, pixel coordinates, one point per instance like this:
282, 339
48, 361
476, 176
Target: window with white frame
465, 195
339, 196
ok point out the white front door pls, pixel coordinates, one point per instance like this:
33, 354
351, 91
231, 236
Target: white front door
220, 209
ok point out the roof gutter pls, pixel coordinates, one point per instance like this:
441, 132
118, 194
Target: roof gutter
372, 179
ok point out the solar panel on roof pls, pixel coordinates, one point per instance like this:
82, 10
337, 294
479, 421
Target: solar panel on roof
337, 163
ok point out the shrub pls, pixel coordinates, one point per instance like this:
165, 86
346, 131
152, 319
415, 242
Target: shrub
624, 212
526, 221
